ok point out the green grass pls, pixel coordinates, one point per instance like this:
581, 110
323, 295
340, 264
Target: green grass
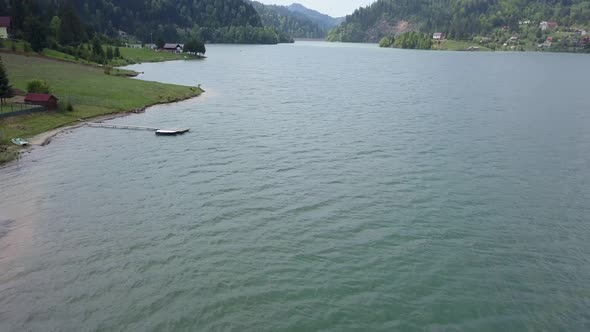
139, 55
91, 92
66, 57
17, 45
457, 45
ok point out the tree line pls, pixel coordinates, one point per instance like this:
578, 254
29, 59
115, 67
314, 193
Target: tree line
46, 23
409, 40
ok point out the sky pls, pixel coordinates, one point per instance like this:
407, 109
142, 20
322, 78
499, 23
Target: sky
334, 8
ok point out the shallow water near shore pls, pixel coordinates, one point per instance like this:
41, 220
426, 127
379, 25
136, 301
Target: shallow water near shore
322, 187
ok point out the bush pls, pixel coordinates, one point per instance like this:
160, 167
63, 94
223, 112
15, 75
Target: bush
65, 106
107, 70
38, 86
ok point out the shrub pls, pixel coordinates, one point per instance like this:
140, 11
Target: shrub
70, 107
108, 69
38, 86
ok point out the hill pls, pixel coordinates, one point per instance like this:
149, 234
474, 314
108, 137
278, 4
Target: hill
458, 19
289, 23
324, 21
208, 20
296, 20
222, 21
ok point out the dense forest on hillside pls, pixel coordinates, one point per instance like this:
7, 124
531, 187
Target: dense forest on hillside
458, 19
290, 23
324, 21
224, 21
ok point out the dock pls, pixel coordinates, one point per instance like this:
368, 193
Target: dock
158, 131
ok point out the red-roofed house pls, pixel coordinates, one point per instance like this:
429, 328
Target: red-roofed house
42, 99
5, 26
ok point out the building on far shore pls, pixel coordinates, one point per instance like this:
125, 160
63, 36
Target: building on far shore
173, 47
5, 27
438, 36
48, 101
546, 25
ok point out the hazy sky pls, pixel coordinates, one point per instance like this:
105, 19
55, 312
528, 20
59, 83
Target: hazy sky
330, 7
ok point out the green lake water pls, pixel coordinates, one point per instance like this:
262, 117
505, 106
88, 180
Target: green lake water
322, 187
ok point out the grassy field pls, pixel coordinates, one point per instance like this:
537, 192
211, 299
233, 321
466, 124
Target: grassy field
139, 55
457, 45
128, 55
91, 92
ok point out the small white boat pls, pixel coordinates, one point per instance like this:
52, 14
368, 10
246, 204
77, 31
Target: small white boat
171, 132
20, 142
164, 132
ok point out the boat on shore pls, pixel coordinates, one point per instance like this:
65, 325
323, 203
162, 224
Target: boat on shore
20, 141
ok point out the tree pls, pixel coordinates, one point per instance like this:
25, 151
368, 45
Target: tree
5, 87
55, 27
195, 46
35, 33
160, 43
117, 52
110, 54
71, 31
38, 86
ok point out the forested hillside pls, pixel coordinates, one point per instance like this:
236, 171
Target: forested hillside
290, 23
225, 21
456, 18
324, 21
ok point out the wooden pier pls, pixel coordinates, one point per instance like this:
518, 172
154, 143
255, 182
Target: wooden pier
158, 131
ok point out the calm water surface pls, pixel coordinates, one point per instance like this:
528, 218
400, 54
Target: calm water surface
322, 187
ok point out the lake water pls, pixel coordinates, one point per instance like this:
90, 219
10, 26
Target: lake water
322, 187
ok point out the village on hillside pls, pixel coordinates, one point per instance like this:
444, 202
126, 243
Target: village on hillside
546, 36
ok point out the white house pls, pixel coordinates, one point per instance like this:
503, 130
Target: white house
5, 25
438, 36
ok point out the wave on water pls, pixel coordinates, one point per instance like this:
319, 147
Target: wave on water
5, 226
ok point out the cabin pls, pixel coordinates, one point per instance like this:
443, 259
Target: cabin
173, 48
438, 36
5, 27
150, 46
48, 101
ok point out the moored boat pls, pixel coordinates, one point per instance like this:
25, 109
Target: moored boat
20, 142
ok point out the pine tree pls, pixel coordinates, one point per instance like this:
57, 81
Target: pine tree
71, 31
5, 87
117, 52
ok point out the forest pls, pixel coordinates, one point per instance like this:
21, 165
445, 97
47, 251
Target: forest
221, 21
458, 19
290, 23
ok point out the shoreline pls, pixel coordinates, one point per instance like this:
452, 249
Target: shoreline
45, 138
125, 96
